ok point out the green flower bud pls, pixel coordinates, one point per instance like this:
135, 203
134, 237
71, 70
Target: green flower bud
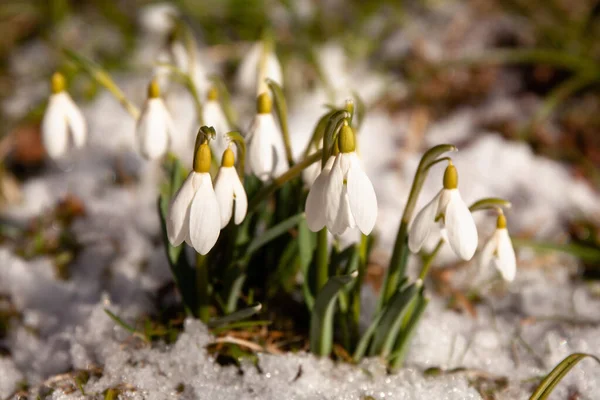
228, 159
346, 140
153, 89
450, 177
501, 222
58, 82
264, 104
202, 158
213, 94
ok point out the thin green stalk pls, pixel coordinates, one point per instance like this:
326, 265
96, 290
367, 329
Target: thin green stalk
400, 253
280, 180
102, 77
202, 287
322, 259
191, 87
428, 261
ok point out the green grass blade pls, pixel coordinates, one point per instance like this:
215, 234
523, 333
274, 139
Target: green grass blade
555, 376
235, 317
234, 293
397, 357
282, 115
489, 203
273, 233
391, 321
306, 247
321, 320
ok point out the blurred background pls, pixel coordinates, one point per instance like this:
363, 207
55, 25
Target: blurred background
513, 83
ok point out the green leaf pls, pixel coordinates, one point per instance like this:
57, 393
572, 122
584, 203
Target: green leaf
306, 247
236, 316
489, 203
585, 253
273, 233
234, 293
282, 115
318, 133
360, 110
189, 84
548, 384
125, 325
397, 357
240, 325
391, 321
321, 320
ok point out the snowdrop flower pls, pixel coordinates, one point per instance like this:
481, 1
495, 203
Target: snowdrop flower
63, 122
499, 251
448, 208
266, 149
194, 215
259, 64
154, 127
311, 173
228, 189
213, 115
342, 196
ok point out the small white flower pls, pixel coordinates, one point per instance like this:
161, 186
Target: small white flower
228, 188
267, 157
342, 196
63, 122
499, 251
448, 208
250, 74
194, 215
154, 127
213, 115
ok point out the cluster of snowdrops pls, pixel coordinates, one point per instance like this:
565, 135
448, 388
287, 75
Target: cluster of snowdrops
266, 220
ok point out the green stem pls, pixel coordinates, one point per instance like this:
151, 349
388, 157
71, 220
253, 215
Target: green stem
102, 77
428, 261
322, 260
280, 180
400, 252
191, 87
202, 287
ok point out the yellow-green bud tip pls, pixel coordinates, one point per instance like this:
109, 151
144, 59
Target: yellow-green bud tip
153, 89
58, 82
450, 177
346, 140
213, 94
263, 103
228, 158
202, 158
501, 222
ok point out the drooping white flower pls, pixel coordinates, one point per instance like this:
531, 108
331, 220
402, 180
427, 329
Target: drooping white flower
342, 196
154, 127
213, 115
63, 123
499, 251
194, 215
259, 64
229, 189
190, 64
447, 208
266, 152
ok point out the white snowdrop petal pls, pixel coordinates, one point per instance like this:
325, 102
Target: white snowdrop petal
241, 199
76, 121
462, 232
224, 193
248, 70
205, 217
423, 224
333, 194
153, 129
54, 128
179, 212
344, 218
215, 117
361, 195
506, 261
315, 210
487, 253
260, 152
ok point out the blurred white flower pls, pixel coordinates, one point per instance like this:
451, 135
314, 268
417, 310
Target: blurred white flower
499, 251
194, 215
63, 122
447, 208
228, 189
154, 127
342, 196
213, 115
310, 173
266, 158
252, 73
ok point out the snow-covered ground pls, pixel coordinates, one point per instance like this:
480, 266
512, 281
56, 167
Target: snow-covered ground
519, 333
